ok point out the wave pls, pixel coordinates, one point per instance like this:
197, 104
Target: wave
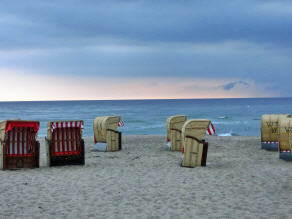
224, 117
229, 122
228, 134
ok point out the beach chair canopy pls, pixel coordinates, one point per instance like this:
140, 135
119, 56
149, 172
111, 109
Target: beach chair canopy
53, 126
102, 124
195, 128
270, 126
7, 125
175, 122
285, 134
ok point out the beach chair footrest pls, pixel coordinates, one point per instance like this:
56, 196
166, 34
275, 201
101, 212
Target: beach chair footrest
287, 156
270, 146
69, 159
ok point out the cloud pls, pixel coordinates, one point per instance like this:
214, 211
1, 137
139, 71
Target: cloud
46, 24
231, 85
135, 40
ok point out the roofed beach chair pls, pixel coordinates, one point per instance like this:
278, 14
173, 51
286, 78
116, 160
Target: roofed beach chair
194, 146
285, 139
174, 126
64, 143
270, 130
18, 145
105, 131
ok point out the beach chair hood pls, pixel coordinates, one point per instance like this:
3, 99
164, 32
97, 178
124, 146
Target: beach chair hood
195, 128
175, 122
102, 124
270, 126
7, 125
56, 124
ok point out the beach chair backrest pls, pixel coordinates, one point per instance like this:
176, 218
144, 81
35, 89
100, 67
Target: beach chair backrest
195, 128
193, 153
102, 124
285, 134
65, 137
174, 122
19, 137
270, 126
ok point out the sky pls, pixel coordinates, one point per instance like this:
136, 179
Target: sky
145, 49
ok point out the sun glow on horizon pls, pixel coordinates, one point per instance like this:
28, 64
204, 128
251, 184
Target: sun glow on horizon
21, 86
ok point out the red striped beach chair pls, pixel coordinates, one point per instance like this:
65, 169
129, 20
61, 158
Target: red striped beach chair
64, 143
18, 145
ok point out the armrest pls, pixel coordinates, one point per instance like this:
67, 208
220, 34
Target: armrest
200, 141
113, 130
176, 130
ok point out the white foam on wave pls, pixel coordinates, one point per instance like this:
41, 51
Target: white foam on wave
228, 134
223, 117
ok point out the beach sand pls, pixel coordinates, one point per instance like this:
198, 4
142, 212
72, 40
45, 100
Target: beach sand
144, 180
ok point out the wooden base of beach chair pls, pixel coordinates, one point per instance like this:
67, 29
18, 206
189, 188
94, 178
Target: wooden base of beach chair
21, 161
195, 152
270, 146
70, 158
287, 156
175, 139
114, 141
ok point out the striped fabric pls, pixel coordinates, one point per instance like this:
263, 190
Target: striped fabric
121, 123
66, 137
67, 124
20, 141
211, 129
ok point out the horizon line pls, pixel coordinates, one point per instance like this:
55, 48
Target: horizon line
218, 98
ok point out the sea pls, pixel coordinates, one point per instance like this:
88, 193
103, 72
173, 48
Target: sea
230, 117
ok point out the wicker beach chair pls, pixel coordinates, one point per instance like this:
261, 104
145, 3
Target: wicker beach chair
174, 126
194, 146
285, 139
64, 143
18, 145
270, 130
105, 131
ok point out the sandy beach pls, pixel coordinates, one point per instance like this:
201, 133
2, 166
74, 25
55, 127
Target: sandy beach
144, 180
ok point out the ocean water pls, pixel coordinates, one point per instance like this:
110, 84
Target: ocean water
230, 117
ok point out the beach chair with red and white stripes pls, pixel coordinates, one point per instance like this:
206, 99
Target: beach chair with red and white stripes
64, 143
105, 132
195, 148
18, 145
174, 126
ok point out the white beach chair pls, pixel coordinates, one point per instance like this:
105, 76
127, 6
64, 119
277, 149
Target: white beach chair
270, 131
285, 139
194, 146
105, 131
174, 126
